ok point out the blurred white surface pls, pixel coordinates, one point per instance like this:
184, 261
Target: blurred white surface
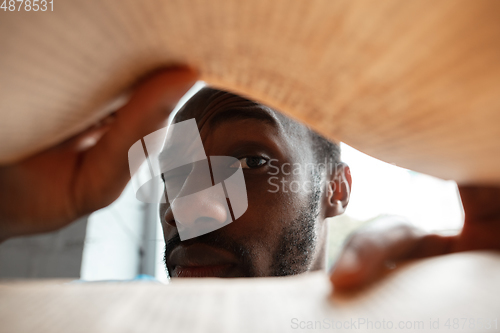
380, 188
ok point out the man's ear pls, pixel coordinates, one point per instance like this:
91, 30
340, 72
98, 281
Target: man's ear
338, 190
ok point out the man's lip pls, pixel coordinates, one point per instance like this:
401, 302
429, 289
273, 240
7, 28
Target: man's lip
203, 271
200, 260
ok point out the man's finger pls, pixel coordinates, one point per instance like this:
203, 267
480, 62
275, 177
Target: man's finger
106, 164
361, 261
148, 110
367, 254
90, 136
371, 253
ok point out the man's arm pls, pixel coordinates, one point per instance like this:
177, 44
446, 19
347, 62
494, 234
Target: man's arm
51, 189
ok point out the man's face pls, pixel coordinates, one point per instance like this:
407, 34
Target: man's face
283, 231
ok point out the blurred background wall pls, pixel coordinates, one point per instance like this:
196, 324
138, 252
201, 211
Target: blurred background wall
52, 255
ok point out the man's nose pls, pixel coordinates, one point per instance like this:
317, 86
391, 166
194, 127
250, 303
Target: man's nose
198, 202
207, 206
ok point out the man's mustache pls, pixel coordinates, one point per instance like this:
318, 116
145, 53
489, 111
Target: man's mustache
217, 239
172, 243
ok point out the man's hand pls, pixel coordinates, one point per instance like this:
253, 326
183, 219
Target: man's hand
55, 187
376, 248
371, 250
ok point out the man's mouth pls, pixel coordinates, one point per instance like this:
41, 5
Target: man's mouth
200, 260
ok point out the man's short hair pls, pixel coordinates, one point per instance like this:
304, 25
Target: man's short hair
324, 150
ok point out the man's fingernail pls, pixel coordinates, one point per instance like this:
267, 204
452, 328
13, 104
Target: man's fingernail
109, 119
348, 263
389, 264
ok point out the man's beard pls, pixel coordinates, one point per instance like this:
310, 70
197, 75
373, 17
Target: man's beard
298, 241
293, 255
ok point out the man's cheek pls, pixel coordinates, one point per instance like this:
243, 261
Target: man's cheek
259, 217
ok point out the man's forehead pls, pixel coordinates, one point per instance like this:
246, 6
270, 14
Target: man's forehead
218, 106
211, 107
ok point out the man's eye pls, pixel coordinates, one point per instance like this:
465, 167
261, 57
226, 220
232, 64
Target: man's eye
250, 162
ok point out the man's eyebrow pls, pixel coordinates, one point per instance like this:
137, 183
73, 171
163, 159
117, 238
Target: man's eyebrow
230, 114
233, 114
